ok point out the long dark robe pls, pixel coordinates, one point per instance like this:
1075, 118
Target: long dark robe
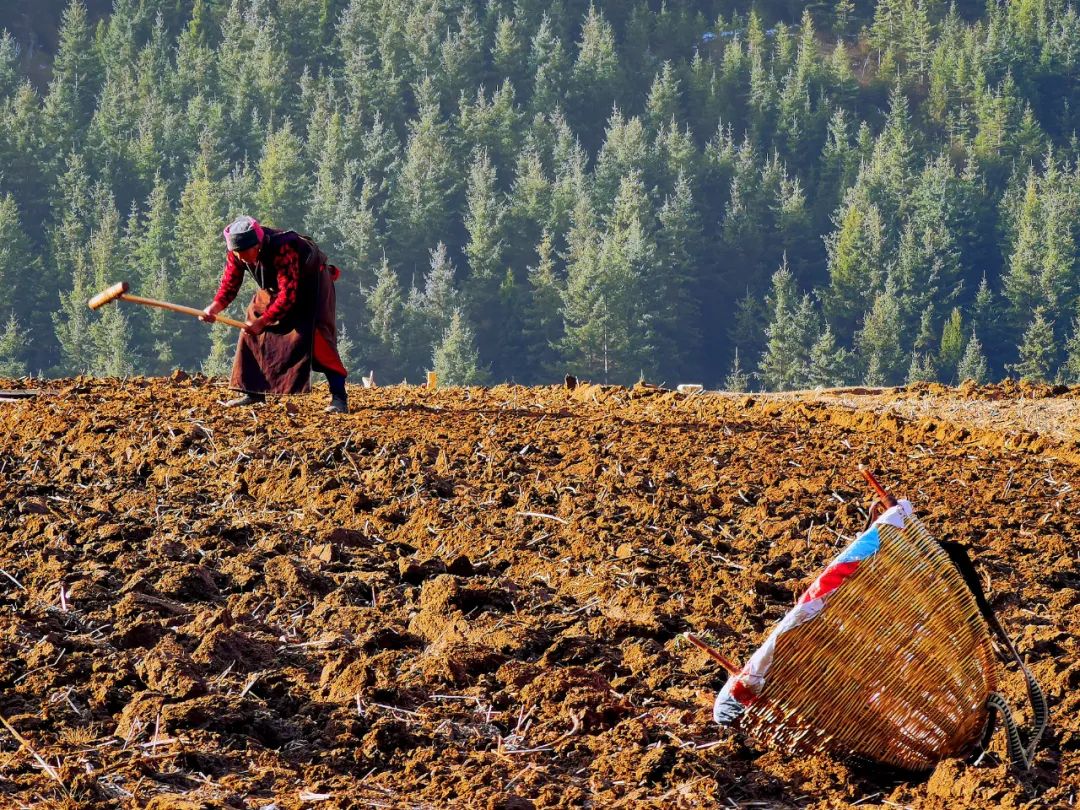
281, 359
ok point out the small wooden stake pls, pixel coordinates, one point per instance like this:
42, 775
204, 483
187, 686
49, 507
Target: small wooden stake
888, 500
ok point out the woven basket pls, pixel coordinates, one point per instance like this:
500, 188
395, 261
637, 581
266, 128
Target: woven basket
897, 668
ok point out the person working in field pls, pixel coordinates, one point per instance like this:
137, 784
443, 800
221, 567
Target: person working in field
290, 321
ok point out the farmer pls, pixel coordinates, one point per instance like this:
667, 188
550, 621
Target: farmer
290, 322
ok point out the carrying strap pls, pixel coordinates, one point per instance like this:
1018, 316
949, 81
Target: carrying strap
1020, 754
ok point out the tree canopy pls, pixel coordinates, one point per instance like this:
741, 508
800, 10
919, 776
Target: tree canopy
773, 194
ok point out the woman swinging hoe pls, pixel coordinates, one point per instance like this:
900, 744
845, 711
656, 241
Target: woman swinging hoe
290, 327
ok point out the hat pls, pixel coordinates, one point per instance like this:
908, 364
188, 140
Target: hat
243, 234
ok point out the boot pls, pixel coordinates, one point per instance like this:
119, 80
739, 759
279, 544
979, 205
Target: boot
339, 403
246, 399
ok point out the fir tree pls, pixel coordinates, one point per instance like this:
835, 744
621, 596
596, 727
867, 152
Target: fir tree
1037, 350
508, 52
679, 287
455, 359
543, 327
550, 67
952, 344
856, 257
420, 207
1070, 369
72, 323
878, 342
737, 379
110, 334
483, 221
595, 80
609, 316
785, 364
200, 256
829, 364
20, 278
276, 199
663, 105
385, 307
922, 369
12, 341
222, 350
76, 75
973, 364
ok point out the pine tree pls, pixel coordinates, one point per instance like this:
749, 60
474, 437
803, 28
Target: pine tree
385, 314
455, 360
71, 322
856, 258
76, 75
973, 364
200, 256
610, 315
737, 379
20, 278
829, 365
112, 353
543, 326
23, 152
922, 369
679, 287
1037, 350
508, 53
595, 80
879, 344
149, 244
219, 361
952, 344
550, 67
349, 350
926, 337
420, 207
1022, 282
492, 126
528, 210
281, 164
12, 340
483, 221
663, 105
9, 67
785, 363
428, 311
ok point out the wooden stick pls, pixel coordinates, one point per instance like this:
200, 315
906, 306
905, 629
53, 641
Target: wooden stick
198, 313
887, 499
714, 654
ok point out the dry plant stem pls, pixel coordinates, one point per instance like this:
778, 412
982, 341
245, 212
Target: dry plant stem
40, 760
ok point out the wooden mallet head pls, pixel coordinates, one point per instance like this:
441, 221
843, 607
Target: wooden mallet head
111, 294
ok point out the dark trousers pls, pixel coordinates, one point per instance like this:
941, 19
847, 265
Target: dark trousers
337, 383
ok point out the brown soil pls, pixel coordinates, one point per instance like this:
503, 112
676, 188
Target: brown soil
473, 598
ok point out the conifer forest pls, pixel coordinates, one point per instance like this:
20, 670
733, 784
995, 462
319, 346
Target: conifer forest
769, 195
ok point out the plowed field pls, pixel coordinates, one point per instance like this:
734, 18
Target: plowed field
474, 598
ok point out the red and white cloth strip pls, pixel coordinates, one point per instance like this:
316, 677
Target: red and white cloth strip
742, 689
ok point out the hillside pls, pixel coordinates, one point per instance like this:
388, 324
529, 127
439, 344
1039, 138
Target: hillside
842, 193
473, 597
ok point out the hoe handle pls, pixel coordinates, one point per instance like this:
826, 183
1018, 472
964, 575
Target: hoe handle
198, 313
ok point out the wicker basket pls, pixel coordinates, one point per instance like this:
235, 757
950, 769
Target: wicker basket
897, 668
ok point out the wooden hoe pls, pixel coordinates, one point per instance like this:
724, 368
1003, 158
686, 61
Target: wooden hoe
120, 291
